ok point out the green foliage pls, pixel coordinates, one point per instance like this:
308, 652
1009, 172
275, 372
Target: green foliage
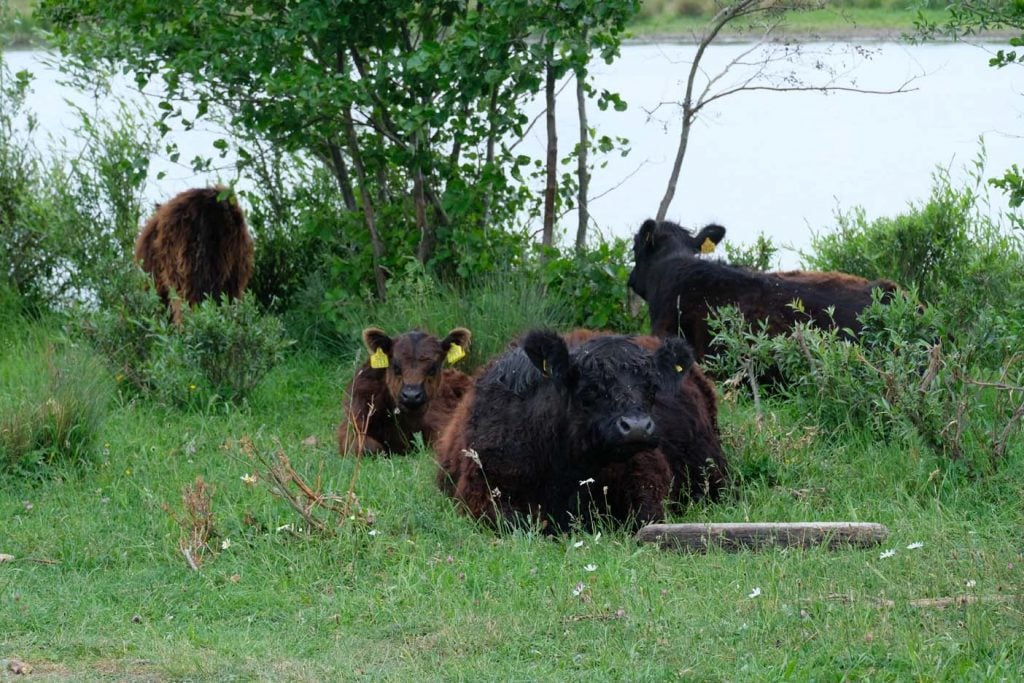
910, 379
948, 250
411, 107
220, 353
760, 255
53, 400
66, 223
591, 283
496, 308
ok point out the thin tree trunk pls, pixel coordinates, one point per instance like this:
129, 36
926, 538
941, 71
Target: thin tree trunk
427, 237
583, 176
368, 213
551, 184
492, 137
341, 175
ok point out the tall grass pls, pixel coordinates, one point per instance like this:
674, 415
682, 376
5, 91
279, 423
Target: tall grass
53, 399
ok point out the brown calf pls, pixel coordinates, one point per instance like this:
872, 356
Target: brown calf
196, 246
402, 389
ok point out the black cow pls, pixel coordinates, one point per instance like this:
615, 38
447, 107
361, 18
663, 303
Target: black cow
681, 289
557, 433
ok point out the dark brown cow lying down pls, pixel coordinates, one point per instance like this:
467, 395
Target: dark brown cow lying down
681, 289
602, 426
198, 246
402, 389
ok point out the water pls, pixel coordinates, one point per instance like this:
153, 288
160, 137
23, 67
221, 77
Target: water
781, 163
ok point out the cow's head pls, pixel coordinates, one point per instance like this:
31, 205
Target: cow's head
656, 240
609, 385
413, 362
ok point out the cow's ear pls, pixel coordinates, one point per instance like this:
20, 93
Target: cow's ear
675, 355
645, 237
548, 353
709, 237
456, 344
379, 346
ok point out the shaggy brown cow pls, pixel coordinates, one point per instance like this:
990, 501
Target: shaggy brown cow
681, 289
196, 246
605, 426
402, 389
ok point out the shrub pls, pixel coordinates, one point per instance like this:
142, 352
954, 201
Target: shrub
53, 400
955, 257
907, 378
221, 351
760, 255
592, 285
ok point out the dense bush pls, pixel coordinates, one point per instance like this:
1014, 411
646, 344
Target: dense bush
908, 378
220, 352
954, 255
53, 400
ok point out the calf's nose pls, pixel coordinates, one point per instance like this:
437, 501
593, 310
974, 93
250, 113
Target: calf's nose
412, 395
636, 427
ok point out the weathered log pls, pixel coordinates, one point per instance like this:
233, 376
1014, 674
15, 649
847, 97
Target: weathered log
734, 536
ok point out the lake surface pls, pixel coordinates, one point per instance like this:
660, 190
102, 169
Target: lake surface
781, 163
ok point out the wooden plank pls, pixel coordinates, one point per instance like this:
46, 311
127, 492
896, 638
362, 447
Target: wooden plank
737, 535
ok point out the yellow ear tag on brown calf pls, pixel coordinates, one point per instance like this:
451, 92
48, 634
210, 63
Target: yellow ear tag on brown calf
455, 354
378, 359
707, 246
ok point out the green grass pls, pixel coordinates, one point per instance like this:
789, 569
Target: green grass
98, 589
832, 22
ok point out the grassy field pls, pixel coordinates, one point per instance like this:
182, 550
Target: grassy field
681, 20
408, 589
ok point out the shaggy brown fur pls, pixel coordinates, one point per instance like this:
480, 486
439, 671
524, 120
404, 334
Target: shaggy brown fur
681, 289
601, 426
196, 246
385, 407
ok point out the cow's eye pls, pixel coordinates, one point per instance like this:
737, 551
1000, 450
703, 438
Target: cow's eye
432, 370
397, 369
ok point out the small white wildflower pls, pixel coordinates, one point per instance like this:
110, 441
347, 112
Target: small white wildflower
225, 544
587, 481
578, 589
495, 493
754, 593
577, 544
590, 568
886, 554
373, 532
915, 545
971, 583
250, 479
285, 527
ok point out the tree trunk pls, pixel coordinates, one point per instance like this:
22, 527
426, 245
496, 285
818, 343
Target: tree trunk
368, 213
427, 237
492, 137
583, 178
341, 175
551, 184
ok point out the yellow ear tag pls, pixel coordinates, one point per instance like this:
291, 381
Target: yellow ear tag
707, 246
455, 354
679, 368
378, 359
